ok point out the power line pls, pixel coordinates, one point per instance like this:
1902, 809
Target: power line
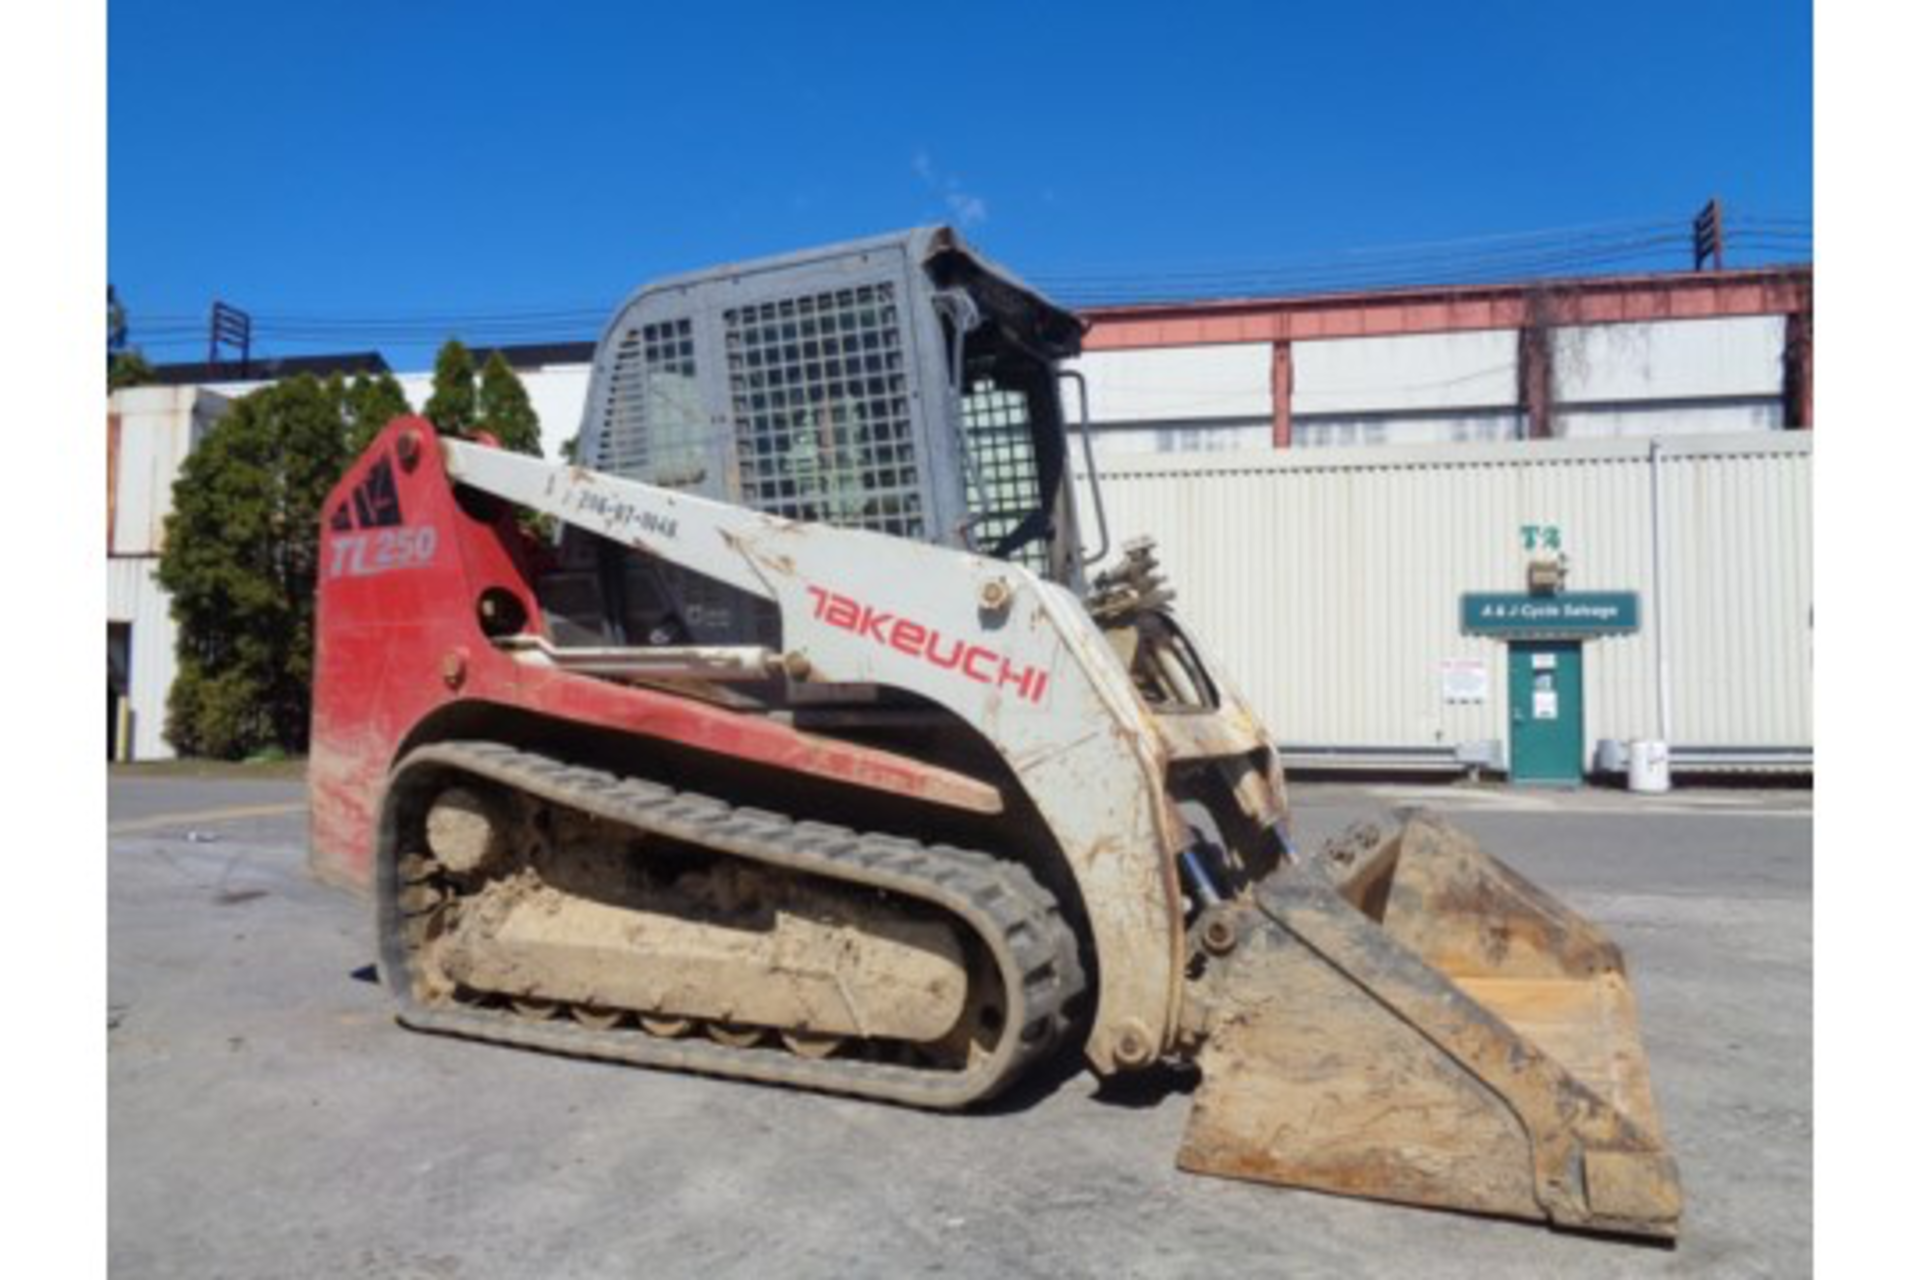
1650, 244
1428, 247
1375, 256
1541, 264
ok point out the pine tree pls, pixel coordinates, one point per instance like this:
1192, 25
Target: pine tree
116, 323
451, 407
504, 409
371, 403
128, 369
240, 560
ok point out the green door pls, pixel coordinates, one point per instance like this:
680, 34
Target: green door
1544, 701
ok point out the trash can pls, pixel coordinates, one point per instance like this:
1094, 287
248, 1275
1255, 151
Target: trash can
1647, 767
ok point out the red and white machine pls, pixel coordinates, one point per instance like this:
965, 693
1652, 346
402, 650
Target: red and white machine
801, 739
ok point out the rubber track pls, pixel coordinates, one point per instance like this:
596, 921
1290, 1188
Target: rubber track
1008, 910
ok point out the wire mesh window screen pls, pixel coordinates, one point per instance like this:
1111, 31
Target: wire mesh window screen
1003, 477
656, 429
820, 403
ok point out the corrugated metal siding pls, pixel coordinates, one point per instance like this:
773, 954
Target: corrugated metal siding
1742, 630
113, 473
149, 457
1329, 581
159, 426
134, 597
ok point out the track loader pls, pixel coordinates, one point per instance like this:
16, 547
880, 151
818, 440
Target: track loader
798, 735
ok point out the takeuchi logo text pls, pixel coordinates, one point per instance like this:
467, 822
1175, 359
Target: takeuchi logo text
950, 653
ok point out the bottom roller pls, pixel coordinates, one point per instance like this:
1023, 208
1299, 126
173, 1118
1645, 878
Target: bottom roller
1404, 1018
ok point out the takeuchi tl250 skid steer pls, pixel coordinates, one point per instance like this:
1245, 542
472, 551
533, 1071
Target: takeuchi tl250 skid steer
799, 735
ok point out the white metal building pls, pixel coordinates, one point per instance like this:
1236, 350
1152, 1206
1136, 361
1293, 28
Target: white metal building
150, 431
1330, 582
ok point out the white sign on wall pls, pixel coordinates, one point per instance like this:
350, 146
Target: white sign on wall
1463, 680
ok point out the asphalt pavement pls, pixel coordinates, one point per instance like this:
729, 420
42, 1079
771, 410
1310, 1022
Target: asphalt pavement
268, 1118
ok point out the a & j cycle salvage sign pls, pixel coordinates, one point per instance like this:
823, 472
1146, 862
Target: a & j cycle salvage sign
1570, 613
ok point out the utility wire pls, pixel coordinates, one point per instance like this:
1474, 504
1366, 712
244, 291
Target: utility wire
1536, 266
1645, 244
1374, 258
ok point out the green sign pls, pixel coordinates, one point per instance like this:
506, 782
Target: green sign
1570, 613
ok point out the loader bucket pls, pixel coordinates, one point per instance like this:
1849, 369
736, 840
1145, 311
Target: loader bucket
1404, 1018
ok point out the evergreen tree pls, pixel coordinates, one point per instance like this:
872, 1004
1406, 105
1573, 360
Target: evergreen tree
240, 562
371, 403
504, 409
451, 407
116, 324
128, 369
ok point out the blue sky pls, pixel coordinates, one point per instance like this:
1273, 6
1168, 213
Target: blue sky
353, 171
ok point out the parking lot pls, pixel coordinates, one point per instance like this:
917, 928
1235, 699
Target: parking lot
268, 1118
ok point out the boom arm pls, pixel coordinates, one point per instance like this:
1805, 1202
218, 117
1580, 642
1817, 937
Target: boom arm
996, 645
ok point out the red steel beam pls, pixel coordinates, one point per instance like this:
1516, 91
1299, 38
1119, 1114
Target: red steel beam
1282, 395
1451, 309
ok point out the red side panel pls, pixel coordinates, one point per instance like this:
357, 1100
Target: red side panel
402, 568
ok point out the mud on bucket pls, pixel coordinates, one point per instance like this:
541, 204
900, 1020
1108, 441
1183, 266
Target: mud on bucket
1404, 1018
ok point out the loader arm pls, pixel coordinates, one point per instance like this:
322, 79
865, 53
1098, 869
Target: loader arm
1000, 648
